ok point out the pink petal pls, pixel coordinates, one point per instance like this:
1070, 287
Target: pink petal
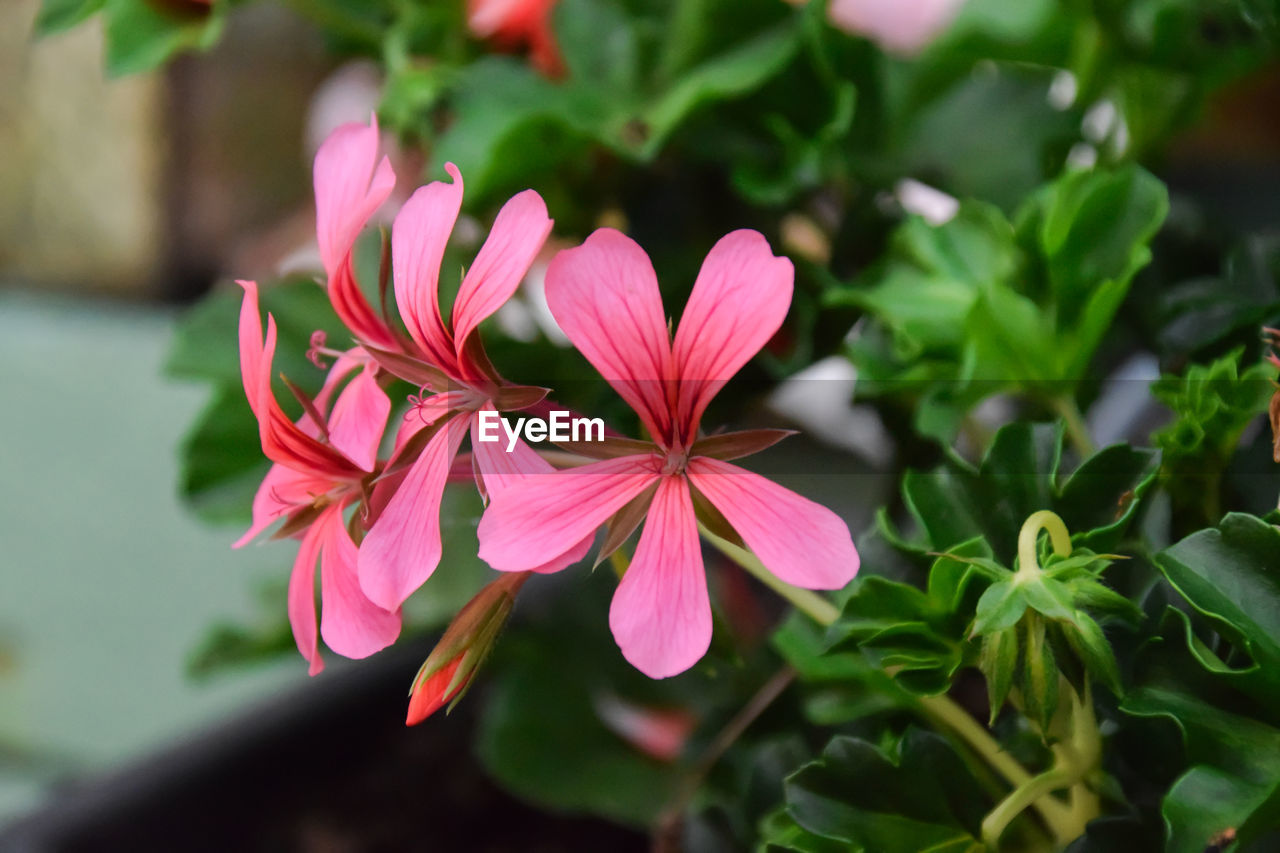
302, 597
251, 354
403, 547
358, 419
517, 235
283, 441
738, 302
661, 615
604, 294
282, 491
803, 543
351, 624
539, 519
418, 239
500, 470
351, 184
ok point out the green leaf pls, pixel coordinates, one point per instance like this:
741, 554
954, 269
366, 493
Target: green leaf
737, 71
1000, 607
1048, 597
220, 460
599, 45
1231, 575
57, 15
142, 35
1236, 777
923, 796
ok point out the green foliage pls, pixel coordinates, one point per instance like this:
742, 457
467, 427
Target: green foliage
982, 305
923, 797
1213, 404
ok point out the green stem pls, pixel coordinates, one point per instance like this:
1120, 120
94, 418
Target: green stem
1035, 792
1077, 431
1028, 563
814, 606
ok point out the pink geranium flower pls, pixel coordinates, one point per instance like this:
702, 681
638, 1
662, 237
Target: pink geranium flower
403, 546
323, 464
604, 294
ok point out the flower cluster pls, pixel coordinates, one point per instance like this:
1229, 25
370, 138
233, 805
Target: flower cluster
371, 521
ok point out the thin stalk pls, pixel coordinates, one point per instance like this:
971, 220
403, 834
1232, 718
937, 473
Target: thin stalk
1077, 431
814, 606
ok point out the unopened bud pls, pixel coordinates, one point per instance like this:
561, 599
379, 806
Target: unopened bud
449, 670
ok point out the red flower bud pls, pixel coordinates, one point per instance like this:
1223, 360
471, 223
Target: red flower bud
449, 670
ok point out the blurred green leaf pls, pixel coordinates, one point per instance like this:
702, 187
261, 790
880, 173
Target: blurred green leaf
57, 15
142, 35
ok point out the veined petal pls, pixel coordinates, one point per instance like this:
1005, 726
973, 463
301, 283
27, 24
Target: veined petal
358, 419
739, 300
351, 183
351, 624
517, 235
661, 615
802, 542
302, 597
282, 491
403, 547
604, 294
282, 440
500, 470
418, 239
541, 518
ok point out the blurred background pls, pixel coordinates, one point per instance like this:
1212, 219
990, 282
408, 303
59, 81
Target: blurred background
123, 199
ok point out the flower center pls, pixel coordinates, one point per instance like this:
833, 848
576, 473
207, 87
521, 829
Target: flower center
675, 462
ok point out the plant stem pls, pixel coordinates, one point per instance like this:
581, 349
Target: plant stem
1077, 431
1028, 564
814, 606
668, 820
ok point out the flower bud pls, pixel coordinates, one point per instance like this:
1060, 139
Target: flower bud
449, 670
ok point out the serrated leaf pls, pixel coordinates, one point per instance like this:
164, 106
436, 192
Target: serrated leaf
1048, 597
1094, 651
57, 15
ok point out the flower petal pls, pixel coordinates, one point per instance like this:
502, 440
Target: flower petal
418, 239
517, 235
351, 183
541, 518
351, 624
604, 294
738, 302
500, 470
282, 440
283, 490
302, 598
403, 547
661, 615
802, 542
358, 419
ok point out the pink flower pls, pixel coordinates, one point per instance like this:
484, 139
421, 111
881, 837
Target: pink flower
513, 23
899, 26
323, 463
403, 546
604, 294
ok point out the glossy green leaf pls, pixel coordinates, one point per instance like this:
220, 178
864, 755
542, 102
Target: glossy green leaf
923, 796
